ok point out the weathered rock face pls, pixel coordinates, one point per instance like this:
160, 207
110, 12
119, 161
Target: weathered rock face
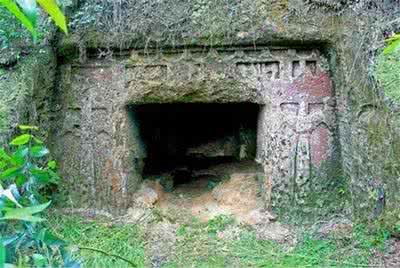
24, 91
99, 142
322, 126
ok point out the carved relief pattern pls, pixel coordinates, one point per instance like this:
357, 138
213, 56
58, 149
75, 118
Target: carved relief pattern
296, 126
300, 130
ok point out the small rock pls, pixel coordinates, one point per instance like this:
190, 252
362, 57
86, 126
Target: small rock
273, 231
149, 193
259, 216
339, 229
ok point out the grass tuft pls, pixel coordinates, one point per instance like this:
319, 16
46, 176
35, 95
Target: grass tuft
212, 244
117, 239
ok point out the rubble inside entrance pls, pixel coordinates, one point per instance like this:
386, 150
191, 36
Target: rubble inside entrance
200, 157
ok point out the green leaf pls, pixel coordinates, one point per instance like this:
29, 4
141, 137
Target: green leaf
393, 44
28, 218
41, 175
49, 239
26, 127
20, 180
3, 165
16, 11
7, 193
22, 139
4, 155
52, 164
29, 8
392, 47
37, 141
18, 158
39, 260
10, 173
25, 214
2, 255
55, 13
39, 151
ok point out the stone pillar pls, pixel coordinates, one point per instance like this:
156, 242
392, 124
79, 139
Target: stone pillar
94, 140
300, 134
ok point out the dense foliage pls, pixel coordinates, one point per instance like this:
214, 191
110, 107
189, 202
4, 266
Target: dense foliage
26, 173
26, 12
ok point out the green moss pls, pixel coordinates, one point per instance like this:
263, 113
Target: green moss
3, 118
326, 193
19, 86
388, 73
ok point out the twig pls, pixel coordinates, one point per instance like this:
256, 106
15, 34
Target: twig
108, 254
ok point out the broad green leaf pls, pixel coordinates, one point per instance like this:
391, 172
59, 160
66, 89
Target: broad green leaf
52, 164
4, 155
26, 127
8, 240
392, 47
3, 165
41, 175
393, 38
30, 10
393, 44
39, 260
16, 11
7, 193
55, 13
49, 238
25, 214
20, 180
39, 151
18, 158
22, 139
10, 173
38, 208
2, 255
28, 218
37, 141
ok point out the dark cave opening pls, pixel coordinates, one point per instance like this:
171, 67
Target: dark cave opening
184, 140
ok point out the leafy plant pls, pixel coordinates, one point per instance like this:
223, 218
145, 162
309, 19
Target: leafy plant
26, 12
393, 43
25, 172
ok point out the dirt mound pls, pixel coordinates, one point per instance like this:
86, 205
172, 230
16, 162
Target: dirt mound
239, 196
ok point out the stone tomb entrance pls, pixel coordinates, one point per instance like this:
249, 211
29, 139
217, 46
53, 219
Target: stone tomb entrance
179, 113
184, 141
192, 152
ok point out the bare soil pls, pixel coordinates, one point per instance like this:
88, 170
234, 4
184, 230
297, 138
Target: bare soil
226, 189
389, 258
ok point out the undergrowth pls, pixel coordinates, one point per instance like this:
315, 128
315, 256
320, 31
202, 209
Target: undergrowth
221, 242
114, 239
311, 251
